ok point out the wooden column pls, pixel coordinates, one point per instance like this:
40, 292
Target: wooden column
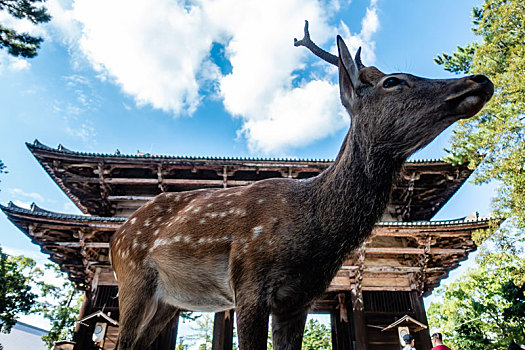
358, 312
223, 331
82, 335
342, 332
167, 339
423, 341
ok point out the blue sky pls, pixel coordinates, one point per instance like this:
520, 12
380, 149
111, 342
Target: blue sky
207, 77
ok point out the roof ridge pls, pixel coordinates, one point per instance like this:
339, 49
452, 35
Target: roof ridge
36, 144
11, 207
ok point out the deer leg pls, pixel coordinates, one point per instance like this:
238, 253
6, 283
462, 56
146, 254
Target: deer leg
152, 329
288, 330
137, 306
252, 325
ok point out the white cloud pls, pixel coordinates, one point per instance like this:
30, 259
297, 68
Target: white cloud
21, 193
159, 53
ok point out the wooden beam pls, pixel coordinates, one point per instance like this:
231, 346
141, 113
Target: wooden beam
99, 245
433, 251
223, 331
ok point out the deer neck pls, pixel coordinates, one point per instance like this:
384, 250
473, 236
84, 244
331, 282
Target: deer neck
351, 195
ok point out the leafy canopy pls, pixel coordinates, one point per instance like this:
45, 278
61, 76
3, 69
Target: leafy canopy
16, 295
59, 304
484, 309
22, 44
494, 142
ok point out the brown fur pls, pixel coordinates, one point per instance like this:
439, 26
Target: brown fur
274, 246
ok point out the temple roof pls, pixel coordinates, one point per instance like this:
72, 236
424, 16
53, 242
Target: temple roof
398, 256
115, 184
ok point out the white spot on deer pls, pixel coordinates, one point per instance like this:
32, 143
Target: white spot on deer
188, 208
159, 242
257, 231
260, 201
135, 245
209, 205
229, 202
231, 211
139, 233
156, 232
177, 197
213, 215
158, 219
240, 212
176, 239
209, 240
147, 223
202, 221
283, 200
222, 214
132, 221
201, 240
196, 210
187, 239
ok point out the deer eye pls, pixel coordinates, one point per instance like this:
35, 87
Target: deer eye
392, 82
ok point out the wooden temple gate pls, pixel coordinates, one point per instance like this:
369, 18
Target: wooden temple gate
378, 289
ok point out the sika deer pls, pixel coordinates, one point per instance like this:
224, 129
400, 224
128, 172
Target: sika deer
274, 246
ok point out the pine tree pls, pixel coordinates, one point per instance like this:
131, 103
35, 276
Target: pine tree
22, 44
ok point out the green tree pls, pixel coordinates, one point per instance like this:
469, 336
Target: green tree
203, 331
2, 168
60, 305
317, 336
485, 308
22, 44
16, 295
494, 142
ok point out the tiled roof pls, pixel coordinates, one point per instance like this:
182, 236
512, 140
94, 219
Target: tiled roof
37, 145
39, 212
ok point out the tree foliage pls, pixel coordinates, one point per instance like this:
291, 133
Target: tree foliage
2, 168
60, 305
203, 331
484, 309
16, 295
317, 336
494, 142
22, 44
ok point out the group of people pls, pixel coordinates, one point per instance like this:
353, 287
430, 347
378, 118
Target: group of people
437, 341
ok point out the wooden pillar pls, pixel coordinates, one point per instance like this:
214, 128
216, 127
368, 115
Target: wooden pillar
342, 332
358, 313
223, 331
83, 334
423, 341
167, 339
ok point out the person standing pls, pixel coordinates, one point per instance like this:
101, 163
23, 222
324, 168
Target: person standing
437, 341
409, 342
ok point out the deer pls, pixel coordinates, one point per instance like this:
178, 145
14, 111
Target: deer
273, 247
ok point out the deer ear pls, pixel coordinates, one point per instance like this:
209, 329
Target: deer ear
348, 73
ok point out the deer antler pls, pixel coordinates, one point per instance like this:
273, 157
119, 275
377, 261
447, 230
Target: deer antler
322, 54
309, 44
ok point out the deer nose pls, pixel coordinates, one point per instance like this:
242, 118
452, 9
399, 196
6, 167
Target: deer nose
480, 79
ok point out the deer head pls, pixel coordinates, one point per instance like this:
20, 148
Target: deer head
400, 113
